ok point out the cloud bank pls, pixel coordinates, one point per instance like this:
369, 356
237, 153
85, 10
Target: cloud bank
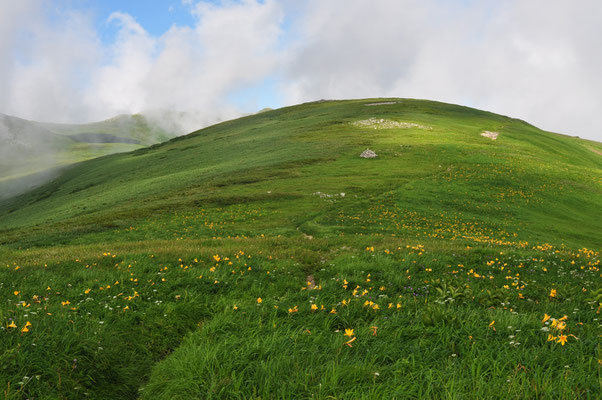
538, 60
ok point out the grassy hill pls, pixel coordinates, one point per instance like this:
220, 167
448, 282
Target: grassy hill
217, 263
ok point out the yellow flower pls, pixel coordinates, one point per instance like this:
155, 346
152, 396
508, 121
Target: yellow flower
551, 337
12, 324
16, 292
64, 303
259, 300
562, 339
25, 329
235, 307
348, 332
314, 307
375, 306
348, 343
553, 293
333, 311
28, 324
545, 318
563, 318
492, 323
87, 291
561, 326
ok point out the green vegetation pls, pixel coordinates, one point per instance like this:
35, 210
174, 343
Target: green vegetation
263, 258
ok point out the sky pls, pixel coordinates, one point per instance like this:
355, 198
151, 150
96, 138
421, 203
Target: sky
87, 60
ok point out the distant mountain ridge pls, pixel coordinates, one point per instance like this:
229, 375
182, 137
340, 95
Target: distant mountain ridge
30, 151
125, 126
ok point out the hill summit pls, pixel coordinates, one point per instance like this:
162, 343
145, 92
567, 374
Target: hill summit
437, 165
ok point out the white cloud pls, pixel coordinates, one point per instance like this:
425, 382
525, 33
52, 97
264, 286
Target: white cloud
538, 60
73, 77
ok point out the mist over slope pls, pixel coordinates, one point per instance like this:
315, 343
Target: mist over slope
32, 152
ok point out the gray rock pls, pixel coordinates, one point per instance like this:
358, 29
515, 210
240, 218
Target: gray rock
368, 154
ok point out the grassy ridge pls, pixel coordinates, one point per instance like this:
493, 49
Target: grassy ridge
141, 272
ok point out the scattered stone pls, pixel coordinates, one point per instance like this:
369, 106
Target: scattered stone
490, 135
381, 123
328, 196
305, 235
382, 103
368, 154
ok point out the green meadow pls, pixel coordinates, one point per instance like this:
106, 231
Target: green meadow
263, 258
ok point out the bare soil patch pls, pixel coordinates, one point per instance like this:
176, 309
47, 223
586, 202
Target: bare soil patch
381, 123
382, 103
490, 135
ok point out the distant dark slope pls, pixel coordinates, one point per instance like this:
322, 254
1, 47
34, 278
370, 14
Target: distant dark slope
437, 169
127, 127
101, 138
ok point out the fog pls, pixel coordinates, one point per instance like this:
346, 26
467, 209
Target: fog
537, 60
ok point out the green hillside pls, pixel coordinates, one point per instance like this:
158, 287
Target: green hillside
217, 263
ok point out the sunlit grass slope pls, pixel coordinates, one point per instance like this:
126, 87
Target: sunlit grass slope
264, 258
527, 183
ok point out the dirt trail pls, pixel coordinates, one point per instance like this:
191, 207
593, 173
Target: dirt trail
311, 283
